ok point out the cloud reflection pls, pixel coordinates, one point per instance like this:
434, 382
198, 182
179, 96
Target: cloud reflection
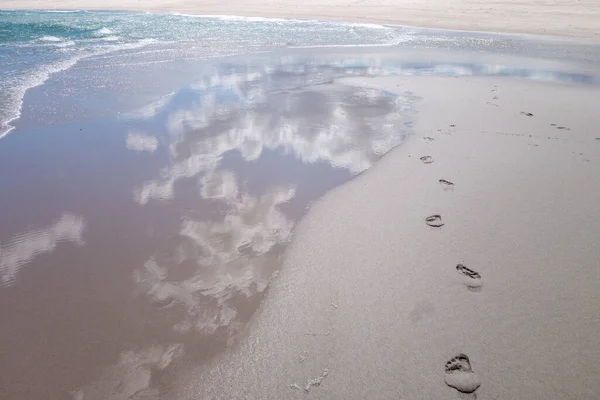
227, 254
283, 112
140, 142
312, 126
24, 247
293, 112
131, 377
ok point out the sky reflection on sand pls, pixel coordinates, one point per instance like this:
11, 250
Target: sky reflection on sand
227, 166
246, 149
251, 116
23, 248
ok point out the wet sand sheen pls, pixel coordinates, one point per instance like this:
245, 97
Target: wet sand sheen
374, 296
172, 267
178, 217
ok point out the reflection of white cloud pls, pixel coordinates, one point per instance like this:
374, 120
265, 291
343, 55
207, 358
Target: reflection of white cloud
131, 377
219, 185
140, 142
23, 248
150, 110
233, 255
232, 80
254, 223
162, 188
336, 136
230, 254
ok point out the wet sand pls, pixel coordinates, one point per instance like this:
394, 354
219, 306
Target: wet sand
140, 244
369, 302
177, 220
544, 17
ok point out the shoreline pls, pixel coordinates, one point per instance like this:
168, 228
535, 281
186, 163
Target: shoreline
382, 307
566, 22
395, 25
368, 300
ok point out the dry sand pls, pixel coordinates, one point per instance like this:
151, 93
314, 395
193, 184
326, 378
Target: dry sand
576, 18
371, 294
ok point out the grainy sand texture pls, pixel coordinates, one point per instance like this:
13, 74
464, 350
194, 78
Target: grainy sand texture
502, 300
462, 264
547, 17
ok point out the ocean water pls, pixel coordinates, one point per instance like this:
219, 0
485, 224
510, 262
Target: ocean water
36, 44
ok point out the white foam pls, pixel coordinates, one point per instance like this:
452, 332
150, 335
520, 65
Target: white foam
50, 39
111, 38
34, 79
103, 32
40, 75
68, 43
371, 26
280, 20
62, 11
243, 19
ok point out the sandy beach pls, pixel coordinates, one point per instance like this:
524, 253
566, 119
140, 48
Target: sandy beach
369, 301
412, 217
579, 19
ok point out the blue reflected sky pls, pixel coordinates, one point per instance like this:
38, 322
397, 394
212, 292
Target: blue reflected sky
159, 206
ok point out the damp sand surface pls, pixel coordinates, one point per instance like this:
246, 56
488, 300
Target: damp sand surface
141, 238
136, 245
381, 300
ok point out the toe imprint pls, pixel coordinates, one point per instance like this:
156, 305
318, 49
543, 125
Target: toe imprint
460, 362
467, 271
446, 184
434, 220
472, 279
460, 376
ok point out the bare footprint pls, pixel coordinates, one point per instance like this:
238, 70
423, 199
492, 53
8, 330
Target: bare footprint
460, 376
446, 184
426, 159
471, 279
434, 221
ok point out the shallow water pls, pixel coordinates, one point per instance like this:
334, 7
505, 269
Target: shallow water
36, 44
151, 197
178, 214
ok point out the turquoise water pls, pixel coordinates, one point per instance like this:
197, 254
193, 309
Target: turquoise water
36, 44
